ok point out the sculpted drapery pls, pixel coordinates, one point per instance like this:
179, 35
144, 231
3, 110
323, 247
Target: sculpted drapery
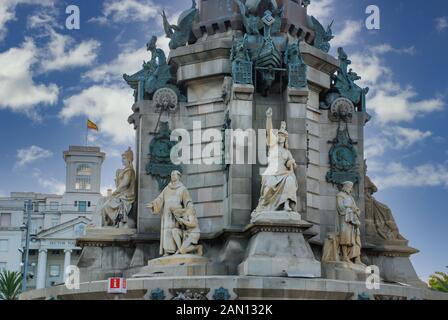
279, 183
115, 208
174, 197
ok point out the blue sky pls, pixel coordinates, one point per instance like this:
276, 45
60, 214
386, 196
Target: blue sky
52, 78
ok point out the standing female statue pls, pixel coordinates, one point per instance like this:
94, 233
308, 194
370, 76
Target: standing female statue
279, 183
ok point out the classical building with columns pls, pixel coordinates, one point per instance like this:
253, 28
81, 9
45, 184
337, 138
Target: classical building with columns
56, 220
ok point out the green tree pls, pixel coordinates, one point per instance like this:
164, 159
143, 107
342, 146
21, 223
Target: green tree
439, 281
10, 285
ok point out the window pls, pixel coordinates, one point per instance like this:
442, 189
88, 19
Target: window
54, 206
84, 170
83, 184
82, 206
4, 245
55, 270
2, 266
83, 174
5, 220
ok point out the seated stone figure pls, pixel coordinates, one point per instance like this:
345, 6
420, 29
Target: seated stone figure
380, 222
279, 183
114, 209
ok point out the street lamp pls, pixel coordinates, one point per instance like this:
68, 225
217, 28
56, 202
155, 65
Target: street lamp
26, 227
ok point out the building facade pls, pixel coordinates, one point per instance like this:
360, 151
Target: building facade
56, 220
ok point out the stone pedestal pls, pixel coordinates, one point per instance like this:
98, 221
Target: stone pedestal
107, 252
344, 271
175, 265
277, 247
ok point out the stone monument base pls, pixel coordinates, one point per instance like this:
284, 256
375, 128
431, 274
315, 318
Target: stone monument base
176, 265
340, 270
278, 248
106, 234
236, 287
107, 252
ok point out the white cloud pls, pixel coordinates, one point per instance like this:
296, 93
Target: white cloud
442, 23
49, 184
18, 91
393, 138
390, 101
44, 18
127, 62
398, 175
8, 8
31, 154
108, 106
119, 11
348, 34
61, 53
321, 9
387, 48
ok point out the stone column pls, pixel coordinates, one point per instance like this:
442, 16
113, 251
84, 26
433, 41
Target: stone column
296, 123
41, 269
240, 175
67, 261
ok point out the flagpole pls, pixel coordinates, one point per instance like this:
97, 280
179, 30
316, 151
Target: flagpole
87, 131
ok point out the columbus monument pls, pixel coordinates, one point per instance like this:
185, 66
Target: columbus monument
214, 219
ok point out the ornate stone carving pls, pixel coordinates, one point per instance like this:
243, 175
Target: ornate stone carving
114, 209
155, 74
221, 294
181, 33
364, 296
268, 58
297, 69
322, 37
157, 294
160, 165
279, 183
342, 109
380, 222
180, 231
165, 99
241, 63
343, 85
189, 294
343, 157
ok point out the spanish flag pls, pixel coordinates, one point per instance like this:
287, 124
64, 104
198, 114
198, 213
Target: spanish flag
92, 125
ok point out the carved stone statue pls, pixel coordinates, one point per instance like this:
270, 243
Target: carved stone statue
379, 219
179, 232
241, 63
343, 85
155, 74
322, 36
297, 69
349, 225
181, 33
115, 208
279, 183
